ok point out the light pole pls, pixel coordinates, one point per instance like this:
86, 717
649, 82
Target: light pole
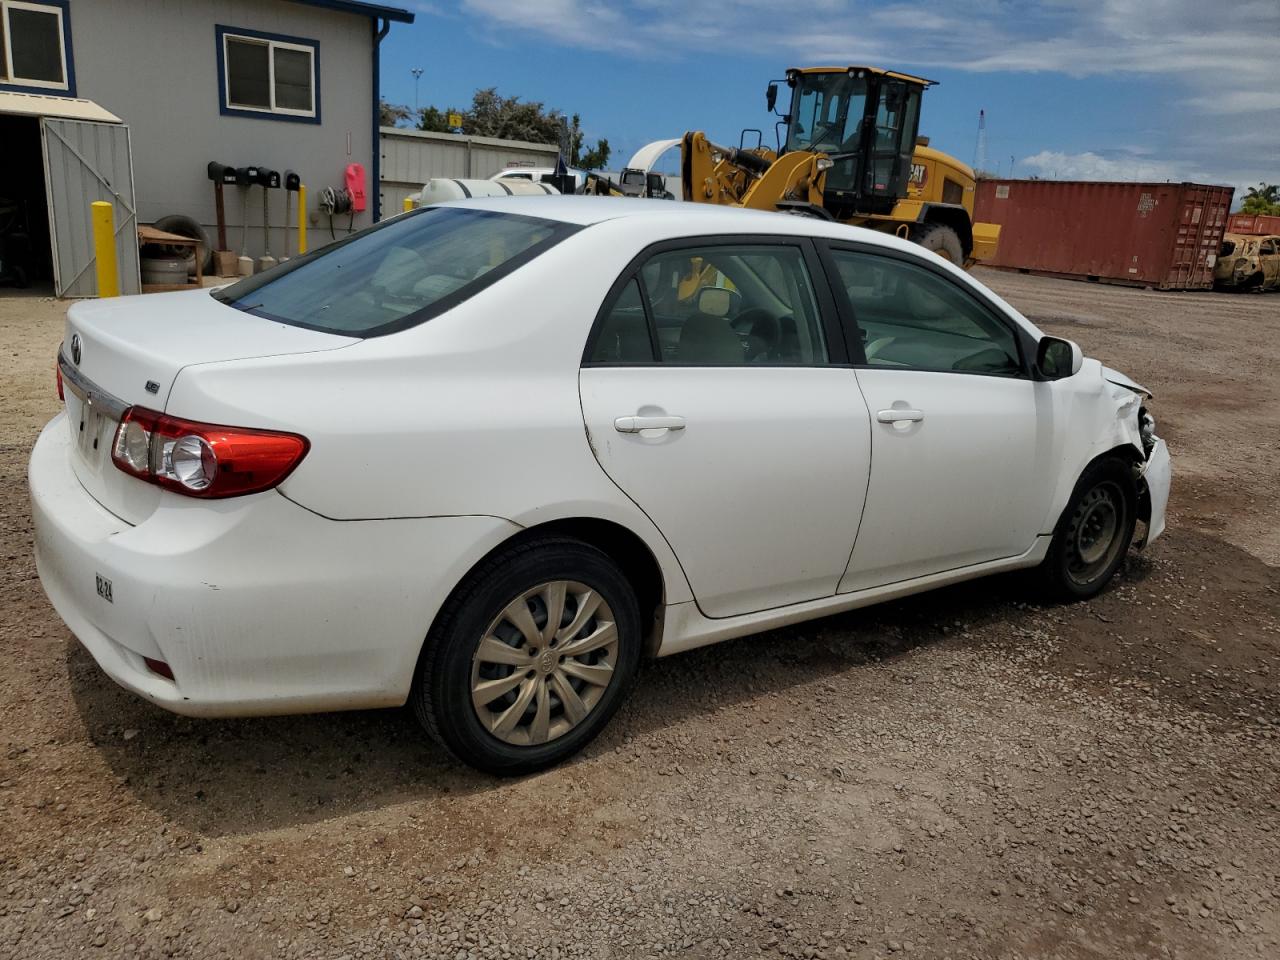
417, 75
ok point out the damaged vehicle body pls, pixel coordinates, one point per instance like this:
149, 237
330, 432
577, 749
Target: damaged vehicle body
484, 457
1247, 262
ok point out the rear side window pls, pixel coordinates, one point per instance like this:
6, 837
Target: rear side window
397, 274
624, 332
715, 305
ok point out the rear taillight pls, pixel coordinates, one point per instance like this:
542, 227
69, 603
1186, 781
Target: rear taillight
57, 368
203, 459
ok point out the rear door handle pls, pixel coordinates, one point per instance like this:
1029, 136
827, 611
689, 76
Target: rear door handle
900, 415
636, 424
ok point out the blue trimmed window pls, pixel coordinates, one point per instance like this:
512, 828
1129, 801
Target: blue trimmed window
268, 75
35, 47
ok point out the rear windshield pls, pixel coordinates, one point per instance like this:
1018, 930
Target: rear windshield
397, 274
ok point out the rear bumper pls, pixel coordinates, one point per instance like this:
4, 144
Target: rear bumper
258, 605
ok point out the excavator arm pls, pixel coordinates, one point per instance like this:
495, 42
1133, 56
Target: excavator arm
757, 179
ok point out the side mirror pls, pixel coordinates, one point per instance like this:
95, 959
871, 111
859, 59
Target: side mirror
1057, 358
771, 97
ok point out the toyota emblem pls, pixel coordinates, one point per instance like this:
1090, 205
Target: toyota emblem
75, 349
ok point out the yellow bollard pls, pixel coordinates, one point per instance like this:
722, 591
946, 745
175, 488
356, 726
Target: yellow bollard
302, 219
102, 215
408, 204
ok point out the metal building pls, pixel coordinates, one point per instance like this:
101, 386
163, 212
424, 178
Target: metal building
412, 157
129, 100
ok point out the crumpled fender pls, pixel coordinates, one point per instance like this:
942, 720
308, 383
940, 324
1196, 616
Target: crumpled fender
1115, 376
1094, 412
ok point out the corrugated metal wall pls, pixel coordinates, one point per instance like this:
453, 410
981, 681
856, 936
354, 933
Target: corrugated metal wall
85, 162
412, 157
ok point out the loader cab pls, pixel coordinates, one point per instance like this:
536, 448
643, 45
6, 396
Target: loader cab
866, 120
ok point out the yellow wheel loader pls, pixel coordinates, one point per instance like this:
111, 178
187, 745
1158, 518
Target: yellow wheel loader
851, 154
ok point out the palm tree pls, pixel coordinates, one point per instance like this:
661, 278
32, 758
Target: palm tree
1264, 198
1266, 192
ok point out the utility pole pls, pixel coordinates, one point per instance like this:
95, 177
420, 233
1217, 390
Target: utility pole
980, 147
417, 75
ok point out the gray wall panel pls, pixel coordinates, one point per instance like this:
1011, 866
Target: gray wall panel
154, 64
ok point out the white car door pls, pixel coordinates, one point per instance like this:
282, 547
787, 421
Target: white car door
717, 394
959, 474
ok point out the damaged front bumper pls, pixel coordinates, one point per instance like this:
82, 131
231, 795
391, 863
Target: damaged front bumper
1155, 473
1154, 478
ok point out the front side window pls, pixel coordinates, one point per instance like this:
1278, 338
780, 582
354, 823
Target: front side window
910, 317
715, 306
268, 74
33, 45
397, 274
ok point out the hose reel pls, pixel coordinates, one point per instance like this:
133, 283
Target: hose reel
336, 201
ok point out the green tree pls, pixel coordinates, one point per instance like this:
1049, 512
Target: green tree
1264, 198
393, 114
510, 118
435, 119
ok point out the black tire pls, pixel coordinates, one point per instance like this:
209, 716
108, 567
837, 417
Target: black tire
942, 240
442, 690
185, 226
1103, 505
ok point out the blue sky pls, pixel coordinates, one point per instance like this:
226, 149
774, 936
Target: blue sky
1097, 89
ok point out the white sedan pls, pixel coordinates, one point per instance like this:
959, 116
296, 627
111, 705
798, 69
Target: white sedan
485, 457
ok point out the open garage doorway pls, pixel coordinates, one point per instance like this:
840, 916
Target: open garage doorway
59, 156
26, 254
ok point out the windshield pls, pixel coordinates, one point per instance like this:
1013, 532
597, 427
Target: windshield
397, 274
826, 113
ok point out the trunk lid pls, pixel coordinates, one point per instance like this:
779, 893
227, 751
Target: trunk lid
131, 350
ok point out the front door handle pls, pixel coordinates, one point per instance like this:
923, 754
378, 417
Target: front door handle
900, 415
636, 424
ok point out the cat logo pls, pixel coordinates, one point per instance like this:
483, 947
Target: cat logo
919, 176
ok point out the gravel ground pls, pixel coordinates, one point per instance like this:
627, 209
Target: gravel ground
959, 774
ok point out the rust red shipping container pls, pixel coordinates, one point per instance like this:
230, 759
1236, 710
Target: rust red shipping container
1260, 224
1163, 235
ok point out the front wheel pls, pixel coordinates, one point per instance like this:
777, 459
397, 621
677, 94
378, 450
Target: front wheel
1093, 534
530, 657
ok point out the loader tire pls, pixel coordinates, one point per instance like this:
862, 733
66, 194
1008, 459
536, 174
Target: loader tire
942, 240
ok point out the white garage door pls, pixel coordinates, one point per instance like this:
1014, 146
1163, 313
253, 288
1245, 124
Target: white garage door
84, 162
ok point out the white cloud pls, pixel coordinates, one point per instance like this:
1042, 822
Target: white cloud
1056, 165
1215, 62
1076, 37
1238, 101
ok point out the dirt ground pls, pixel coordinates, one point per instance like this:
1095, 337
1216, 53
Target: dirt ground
959, 774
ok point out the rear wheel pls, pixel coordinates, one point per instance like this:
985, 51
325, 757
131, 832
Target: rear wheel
530, 657
1093, 534
942, 240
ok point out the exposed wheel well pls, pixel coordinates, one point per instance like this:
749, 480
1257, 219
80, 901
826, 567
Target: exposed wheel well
1126, 453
